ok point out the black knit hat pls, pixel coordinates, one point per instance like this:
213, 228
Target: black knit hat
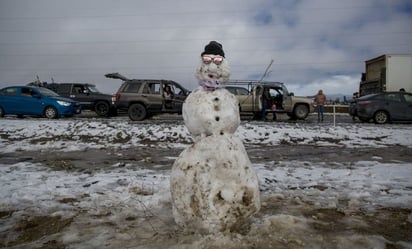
214, 48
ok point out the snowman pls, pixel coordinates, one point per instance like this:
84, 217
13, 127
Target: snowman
213, 185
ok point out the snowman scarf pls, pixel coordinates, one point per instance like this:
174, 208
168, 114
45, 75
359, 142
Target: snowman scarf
211, 85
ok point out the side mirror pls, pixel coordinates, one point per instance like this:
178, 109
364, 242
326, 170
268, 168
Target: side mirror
291, 94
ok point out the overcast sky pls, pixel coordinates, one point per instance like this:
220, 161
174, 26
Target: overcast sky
315, 44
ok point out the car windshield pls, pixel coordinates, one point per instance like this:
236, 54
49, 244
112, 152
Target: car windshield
284, 90
93, 89
47, 92
408, 98
237, 90
369, 96
276, 90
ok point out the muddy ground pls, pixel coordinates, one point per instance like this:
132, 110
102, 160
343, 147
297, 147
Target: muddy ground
324, 227
91, 158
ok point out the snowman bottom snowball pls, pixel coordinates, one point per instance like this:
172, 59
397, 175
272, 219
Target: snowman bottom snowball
214, 187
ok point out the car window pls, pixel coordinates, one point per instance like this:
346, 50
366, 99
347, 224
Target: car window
62, 88
379, 97
154, 88
93, 89
242, 91
146, 88
232, 90
272, 93
151, 88
408, 98
77, 89
132, 87
394, 97
9, 91
174, 88
238, 90
27, 92
275, 92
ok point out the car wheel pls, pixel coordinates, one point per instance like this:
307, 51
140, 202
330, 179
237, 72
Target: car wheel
1, 112
137, 112
50, 112
301, 111
381, 117
102, 108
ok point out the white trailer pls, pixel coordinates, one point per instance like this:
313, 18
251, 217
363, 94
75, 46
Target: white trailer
399, 73
389, 72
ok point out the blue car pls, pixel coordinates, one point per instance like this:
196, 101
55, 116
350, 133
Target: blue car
36, 101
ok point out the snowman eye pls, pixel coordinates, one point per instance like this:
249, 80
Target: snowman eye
218, 60
207, 60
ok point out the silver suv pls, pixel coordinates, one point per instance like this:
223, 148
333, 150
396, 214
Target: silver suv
249, 94
142, 98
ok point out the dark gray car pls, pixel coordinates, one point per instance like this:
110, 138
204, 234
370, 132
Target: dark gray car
89, 97
385, 107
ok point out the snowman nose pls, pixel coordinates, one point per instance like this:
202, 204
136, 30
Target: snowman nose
212, 67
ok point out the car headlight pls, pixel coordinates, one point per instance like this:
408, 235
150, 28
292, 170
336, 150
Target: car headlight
63, 103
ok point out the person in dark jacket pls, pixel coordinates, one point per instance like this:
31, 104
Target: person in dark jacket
267, 103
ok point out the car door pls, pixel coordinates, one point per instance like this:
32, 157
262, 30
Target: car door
286, 99
153, 94
393, 104
80, 93
245, 99
178, 97
10, 99
257, 93
30, 102
407, 108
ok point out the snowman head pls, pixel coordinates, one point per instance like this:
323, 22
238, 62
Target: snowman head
214, 70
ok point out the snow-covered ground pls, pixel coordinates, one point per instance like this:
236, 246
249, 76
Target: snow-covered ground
128, 205
72, 135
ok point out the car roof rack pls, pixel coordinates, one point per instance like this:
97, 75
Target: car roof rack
251, 82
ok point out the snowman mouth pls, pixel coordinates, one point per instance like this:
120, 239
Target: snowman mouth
213, 76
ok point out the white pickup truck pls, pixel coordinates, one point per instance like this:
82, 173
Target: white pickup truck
249, 94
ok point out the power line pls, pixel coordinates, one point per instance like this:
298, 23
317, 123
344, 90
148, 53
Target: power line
186, 67
272, 37
189, 12
163, 52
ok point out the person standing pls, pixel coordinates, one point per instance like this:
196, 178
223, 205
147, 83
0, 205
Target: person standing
267, 104
320, 100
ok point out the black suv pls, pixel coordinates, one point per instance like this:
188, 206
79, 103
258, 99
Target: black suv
89, 97
142, 98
